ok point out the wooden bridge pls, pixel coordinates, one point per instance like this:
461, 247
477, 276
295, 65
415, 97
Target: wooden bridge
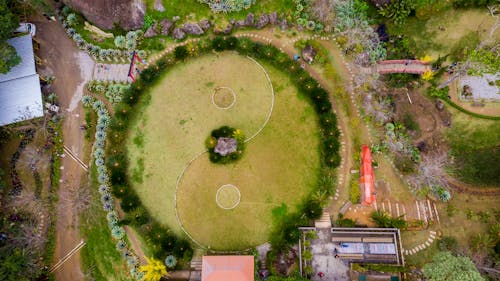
403, 66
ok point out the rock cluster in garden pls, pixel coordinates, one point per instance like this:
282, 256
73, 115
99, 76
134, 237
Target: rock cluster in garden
225, 146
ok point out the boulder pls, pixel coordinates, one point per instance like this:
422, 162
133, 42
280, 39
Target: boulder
128, 14
178, 34
284, 24
273, 18
439, 105
239, 24
151, 31
308, 53
228, 29
159, 6
225, 146
166, 26
204, 24
249, 20
192, 28
262, 21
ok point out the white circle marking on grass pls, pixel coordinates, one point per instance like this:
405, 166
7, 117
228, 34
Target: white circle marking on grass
232, 93
227, 187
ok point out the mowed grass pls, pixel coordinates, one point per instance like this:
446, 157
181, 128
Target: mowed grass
432, 40
279, 166
171, 130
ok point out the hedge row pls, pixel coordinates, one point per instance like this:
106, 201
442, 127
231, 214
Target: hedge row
164, 243
473, 114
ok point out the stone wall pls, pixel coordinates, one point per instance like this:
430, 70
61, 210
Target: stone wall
128, 14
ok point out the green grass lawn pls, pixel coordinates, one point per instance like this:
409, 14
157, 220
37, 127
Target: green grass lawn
475, 146
432, 40
194, 10
280, 165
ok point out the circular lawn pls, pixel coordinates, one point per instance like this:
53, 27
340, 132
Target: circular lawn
173, 175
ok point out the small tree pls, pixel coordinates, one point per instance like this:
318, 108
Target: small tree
154, 270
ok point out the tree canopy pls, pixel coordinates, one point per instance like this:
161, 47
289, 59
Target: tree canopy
447, 267
8, 22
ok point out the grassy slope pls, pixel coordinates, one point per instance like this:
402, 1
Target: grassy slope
475, 144
100, 258
457, 23
186, 8
182, 138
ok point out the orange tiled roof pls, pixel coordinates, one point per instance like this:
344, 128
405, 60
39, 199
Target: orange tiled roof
227, 268
367, 179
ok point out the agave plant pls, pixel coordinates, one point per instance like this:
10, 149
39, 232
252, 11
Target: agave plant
99, 162
106, 198
131, 36
120, 41
170, 261
103, 188
104, 120
131, 45
117, 232
98, 105
71, 19
87, 100
107, 207
120, 245
77, 36
80, 43
102, 179
70, 32
98, 152
112, 216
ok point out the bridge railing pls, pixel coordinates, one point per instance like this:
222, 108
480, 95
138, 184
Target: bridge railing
403, 62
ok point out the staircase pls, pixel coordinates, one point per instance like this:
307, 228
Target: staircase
324, 222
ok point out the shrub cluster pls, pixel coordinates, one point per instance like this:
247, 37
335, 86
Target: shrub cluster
226, 6
225, 132
113, 91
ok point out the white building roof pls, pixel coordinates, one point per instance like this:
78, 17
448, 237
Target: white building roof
20, 94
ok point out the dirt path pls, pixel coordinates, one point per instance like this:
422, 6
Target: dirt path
71, 69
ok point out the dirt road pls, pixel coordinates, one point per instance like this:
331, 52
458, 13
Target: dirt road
71, 68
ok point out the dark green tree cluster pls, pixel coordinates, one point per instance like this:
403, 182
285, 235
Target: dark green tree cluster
398, 10
8, 22
383, 219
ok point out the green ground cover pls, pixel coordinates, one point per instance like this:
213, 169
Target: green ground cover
443, 32
185, 9
475, 146
267, 175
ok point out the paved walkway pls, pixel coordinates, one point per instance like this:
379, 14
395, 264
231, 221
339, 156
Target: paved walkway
402, 66
111, 72
323, 260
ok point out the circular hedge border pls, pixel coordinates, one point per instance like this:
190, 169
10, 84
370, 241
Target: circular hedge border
160, 239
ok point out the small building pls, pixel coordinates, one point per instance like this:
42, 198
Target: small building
20, 94
367, 177
227, 268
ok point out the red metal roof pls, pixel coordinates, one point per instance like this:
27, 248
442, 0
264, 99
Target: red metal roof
367, 179
227, 268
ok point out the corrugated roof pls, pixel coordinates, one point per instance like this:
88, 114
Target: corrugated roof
20, 99
227, 268
20, 94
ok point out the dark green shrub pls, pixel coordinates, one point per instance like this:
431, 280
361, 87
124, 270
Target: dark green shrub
180, 53
130, 202
448, 243
180, 247
344, 222
119, 191
244, 46
312, 209
168, 243
218, 44
383, 219
138, 217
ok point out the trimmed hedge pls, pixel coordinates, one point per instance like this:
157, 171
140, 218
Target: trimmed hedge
285, 233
